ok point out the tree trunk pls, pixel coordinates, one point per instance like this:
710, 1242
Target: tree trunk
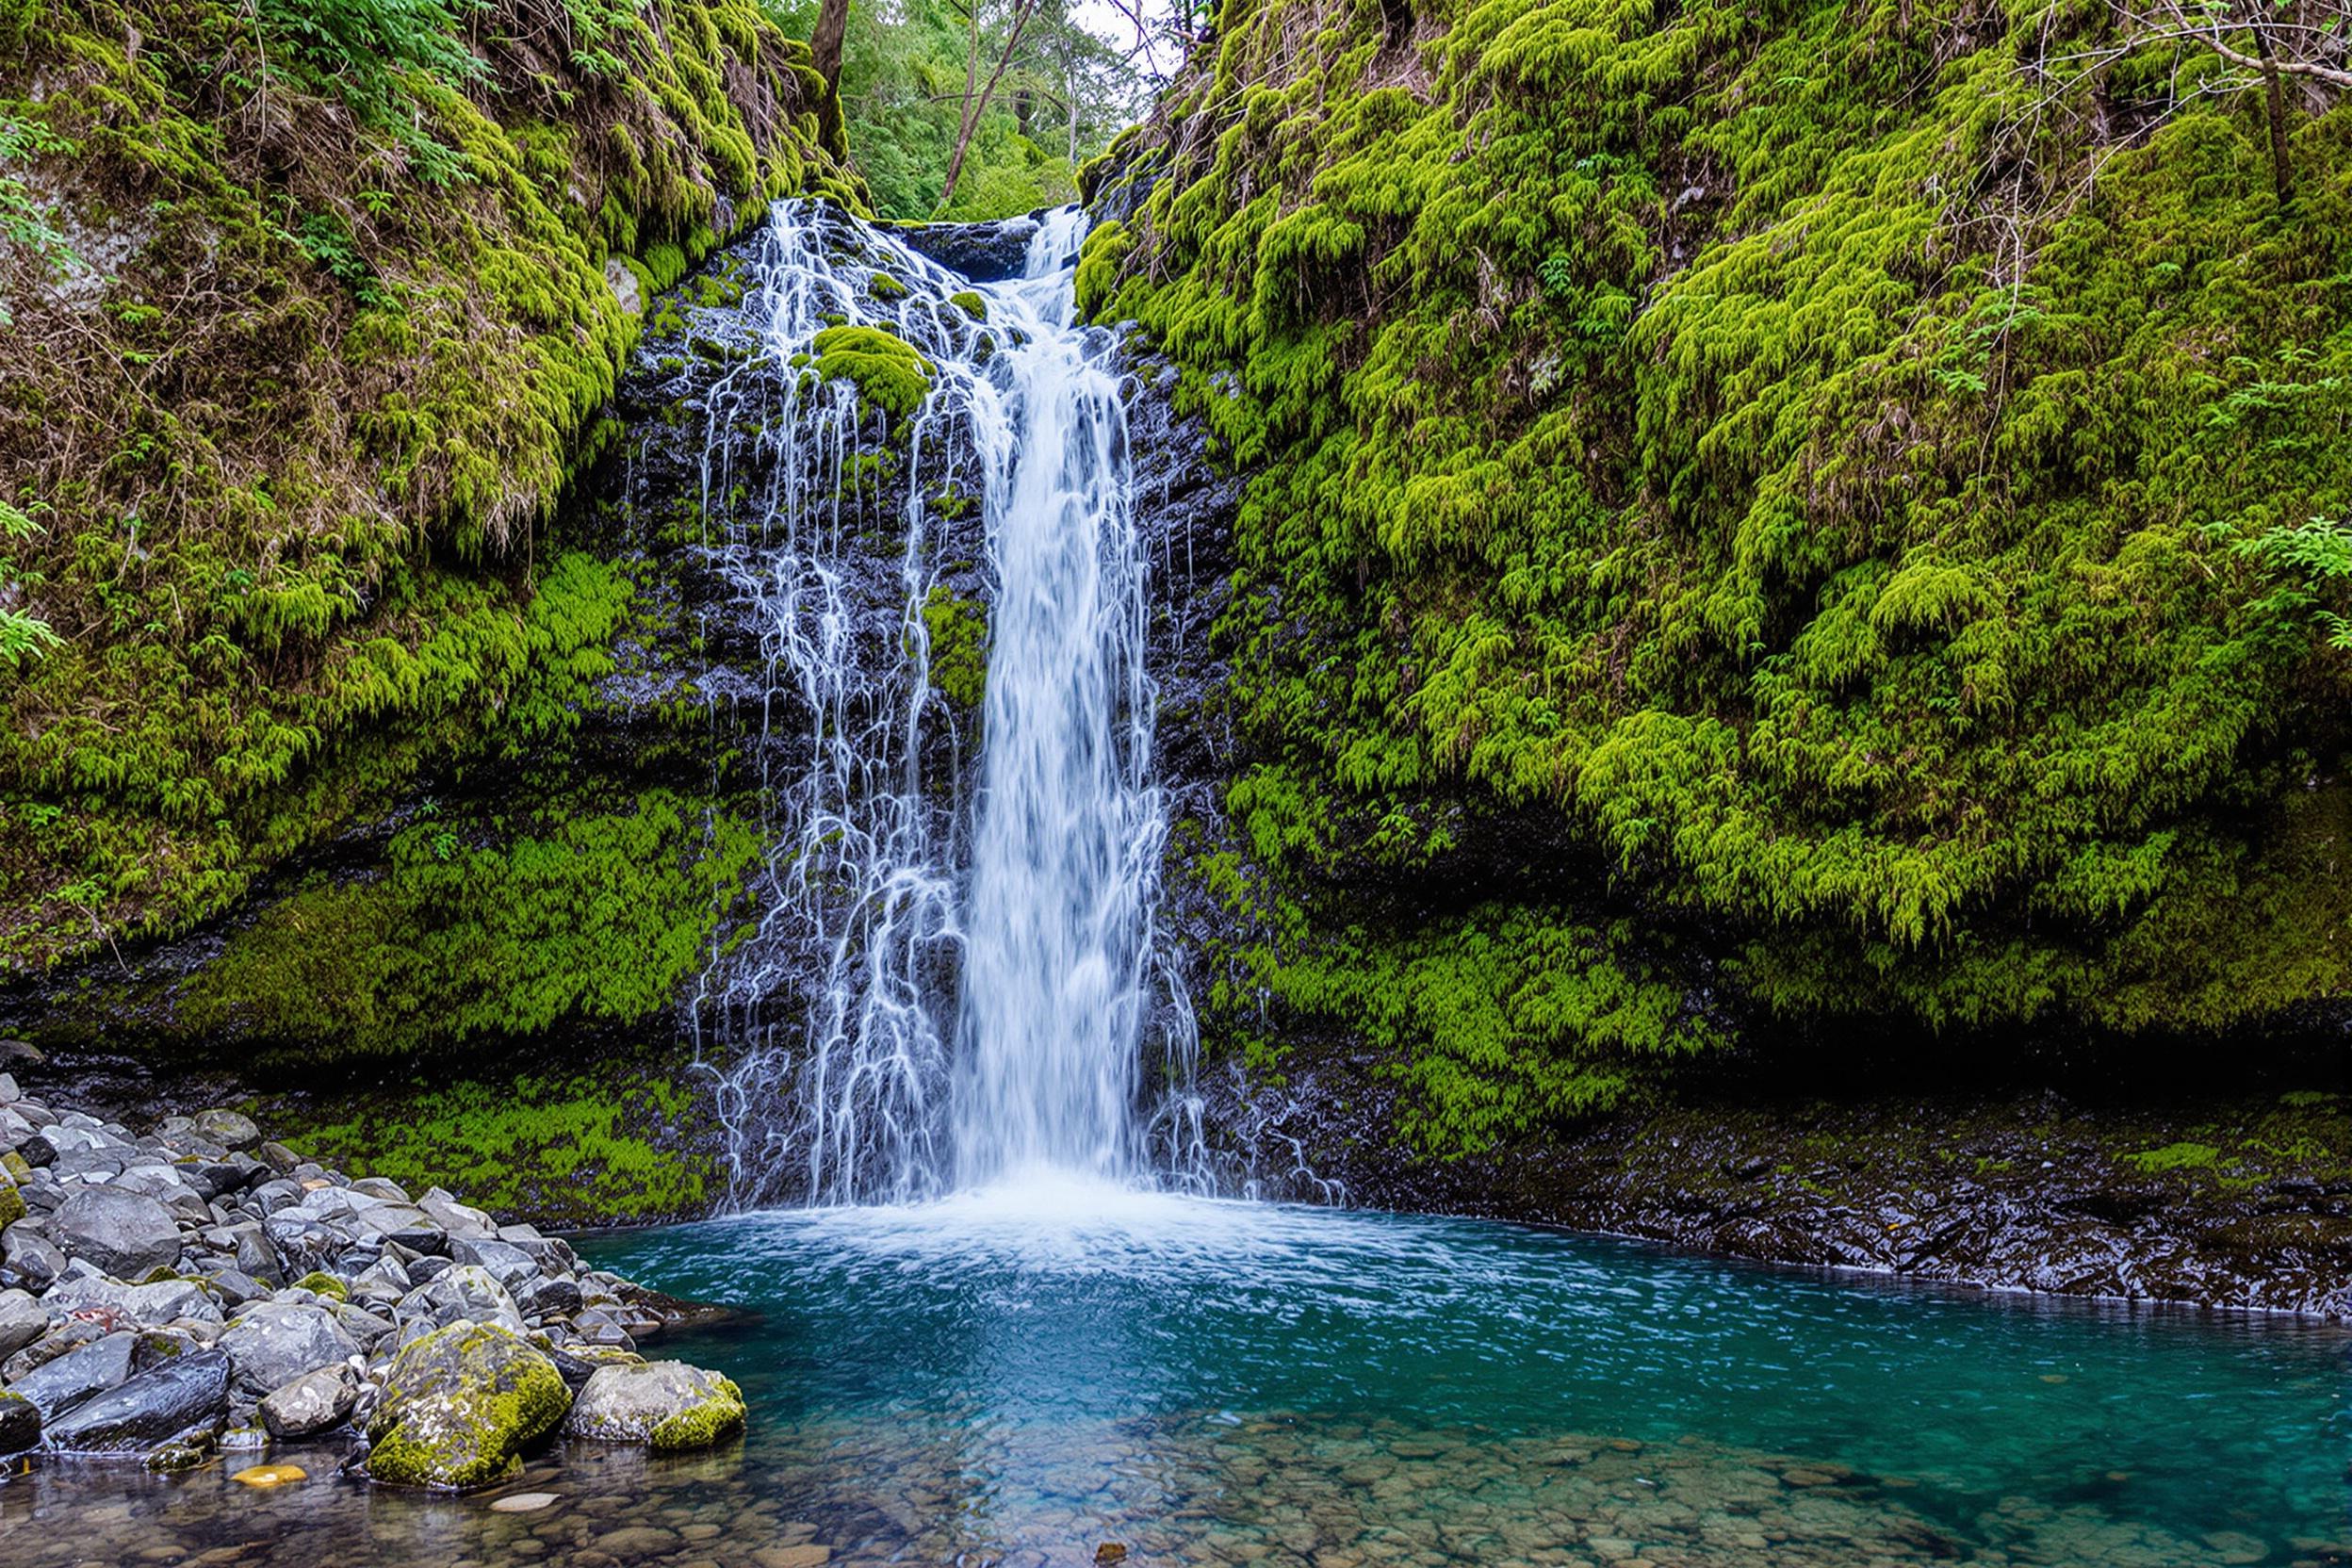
824, 44
976, 104
2282, 169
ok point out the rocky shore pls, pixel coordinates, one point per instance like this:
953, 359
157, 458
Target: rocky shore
197, 1295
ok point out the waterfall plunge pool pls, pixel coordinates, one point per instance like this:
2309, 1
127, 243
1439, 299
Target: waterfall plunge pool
1034, 1375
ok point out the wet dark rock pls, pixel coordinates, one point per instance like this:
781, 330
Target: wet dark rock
19, 1423
120, 1232
175, 1397
78, 1375
985, 253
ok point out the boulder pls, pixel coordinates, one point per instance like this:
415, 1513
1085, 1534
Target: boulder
666, 1404
31, 1259
22, 1320
311, 1403
118, 1233
19, 1423
177, 1396
272, 1343
228, 1129
59, 1385
460, 1406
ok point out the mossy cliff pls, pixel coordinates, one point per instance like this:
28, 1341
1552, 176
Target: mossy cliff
314, 313
1757, 515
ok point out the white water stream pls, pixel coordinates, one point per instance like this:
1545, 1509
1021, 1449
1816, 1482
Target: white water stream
947, 992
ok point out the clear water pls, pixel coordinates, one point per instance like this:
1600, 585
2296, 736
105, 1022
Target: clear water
1025, 1378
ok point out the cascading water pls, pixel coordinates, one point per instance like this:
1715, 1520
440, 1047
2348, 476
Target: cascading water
946, 988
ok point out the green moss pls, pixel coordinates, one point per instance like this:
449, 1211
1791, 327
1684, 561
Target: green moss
2175, 1156
619, 1144
461, 1405
298, 562
885, 287
324, 1284
703, 1424
958, 631
1648, 452
11, 1202
970, 303
886, 369
479, 929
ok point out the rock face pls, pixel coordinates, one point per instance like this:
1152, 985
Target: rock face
184, 1396
117, 1231
460, 1407
665, 1404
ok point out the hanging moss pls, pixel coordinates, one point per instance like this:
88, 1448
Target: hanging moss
1797, 455
289, 429
958, 630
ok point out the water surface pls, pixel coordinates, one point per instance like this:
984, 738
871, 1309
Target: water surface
1031, 1377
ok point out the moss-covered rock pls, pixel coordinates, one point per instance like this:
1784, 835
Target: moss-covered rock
11, 1201
333, 374
970, 304
1674, 514
665, 1404
324, 1284
884, 368
958, 631
460, 1407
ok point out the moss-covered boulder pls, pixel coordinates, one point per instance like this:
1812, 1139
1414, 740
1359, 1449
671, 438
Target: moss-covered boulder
886, 369
665, 1404
460, 1407
11, 1201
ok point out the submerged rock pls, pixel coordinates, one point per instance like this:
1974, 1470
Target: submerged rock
181, 1396
666, 1404
460, 1406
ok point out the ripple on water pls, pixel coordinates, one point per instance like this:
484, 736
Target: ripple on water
1028, 1378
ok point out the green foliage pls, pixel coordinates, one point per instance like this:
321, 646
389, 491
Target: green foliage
1063, 94
2175, 1156
1787, 459
22, 635
25, 223
884, 368
367, 52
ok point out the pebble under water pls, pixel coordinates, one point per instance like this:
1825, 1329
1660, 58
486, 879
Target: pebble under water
1087, 1375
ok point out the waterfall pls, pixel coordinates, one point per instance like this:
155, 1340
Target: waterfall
948, 985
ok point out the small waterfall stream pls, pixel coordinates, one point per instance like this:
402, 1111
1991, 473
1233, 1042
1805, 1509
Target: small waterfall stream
950, 986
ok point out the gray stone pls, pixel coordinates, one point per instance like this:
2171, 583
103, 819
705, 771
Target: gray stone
257, 1256
272, 1343
507, 1263
378, 1186
176, 1396
667, 1404
22, 1320
165, 1301
461, 1292
460, 1406
227, 1128
454, 1217
31, 1257
123, 1233
312, 1402
81, 1374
